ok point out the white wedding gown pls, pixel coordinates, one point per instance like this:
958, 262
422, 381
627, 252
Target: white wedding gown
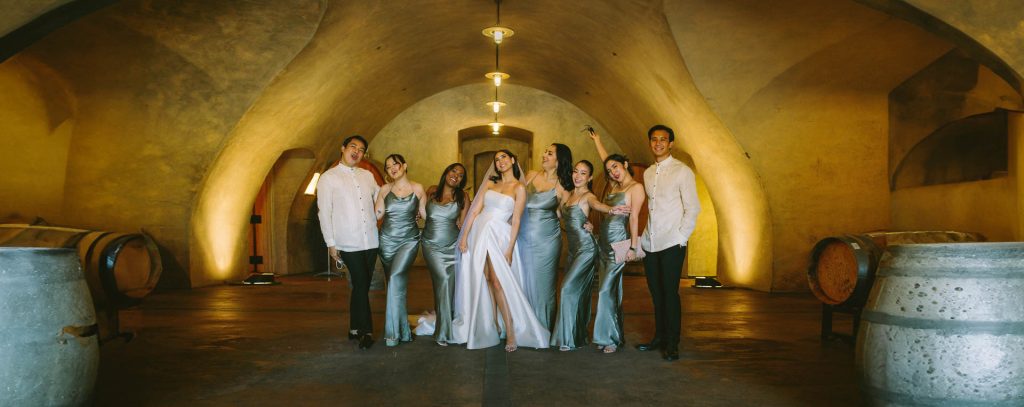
476, 319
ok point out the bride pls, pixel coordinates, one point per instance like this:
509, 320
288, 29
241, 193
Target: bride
489, 274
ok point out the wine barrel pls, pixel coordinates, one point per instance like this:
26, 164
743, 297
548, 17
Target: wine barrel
944, 325
25, 235
50, 353
842, 268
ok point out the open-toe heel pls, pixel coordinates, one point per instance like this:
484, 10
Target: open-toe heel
564, 348
610, 349
511, 348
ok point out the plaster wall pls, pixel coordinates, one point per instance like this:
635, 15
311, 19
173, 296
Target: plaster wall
36, 121
17, 13
157, 86
803, 86
951, 88
208, 95
994, 25
988, 207
702, 249
426, 133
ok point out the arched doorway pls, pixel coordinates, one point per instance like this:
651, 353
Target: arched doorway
268, 232
477, 147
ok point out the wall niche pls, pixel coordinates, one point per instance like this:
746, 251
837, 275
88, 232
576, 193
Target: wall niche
947, 124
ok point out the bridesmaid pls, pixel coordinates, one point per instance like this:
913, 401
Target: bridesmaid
608, 333
399, 203
574, 305
445, 210
541, 233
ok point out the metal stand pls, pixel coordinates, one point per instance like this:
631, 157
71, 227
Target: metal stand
330, 273
826, 322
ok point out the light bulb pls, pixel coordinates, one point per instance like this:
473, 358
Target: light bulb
498, 33
497, 77
495, 106
495, 126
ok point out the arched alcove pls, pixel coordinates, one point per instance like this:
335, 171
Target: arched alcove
970, 149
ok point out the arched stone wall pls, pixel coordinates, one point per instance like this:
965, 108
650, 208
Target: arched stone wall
181, 116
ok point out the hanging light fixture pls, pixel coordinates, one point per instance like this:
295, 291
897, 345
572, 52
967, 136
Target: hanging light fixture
499, 34
497, 77
495, 126
495, 106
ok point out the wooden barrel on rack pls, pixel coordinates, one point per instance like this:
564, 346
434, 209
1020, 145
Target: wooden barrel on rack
842, 268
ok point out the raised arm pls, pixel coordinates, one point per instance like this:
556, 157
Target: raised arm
601, 151
517, 215
595, 203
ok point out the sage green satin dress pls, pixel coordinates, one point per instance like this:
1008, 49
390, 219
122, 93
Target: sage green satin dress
399, 240
608, 323
541, 244
440, 238
574, 305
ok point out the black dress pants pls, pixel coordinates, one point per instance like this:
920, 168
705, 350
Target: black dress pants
360, 270
663, 270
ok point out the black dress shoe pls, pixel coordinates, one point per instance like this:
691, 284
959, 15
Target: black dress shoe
366, 341
671, 353
652, 345
352, 336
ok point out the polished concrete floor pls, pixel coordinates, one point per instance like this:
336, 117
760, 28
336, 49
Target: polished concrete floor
285, 345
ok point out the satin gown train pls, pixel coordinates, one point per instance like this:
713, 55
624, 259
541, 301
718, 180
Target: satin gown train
477, 320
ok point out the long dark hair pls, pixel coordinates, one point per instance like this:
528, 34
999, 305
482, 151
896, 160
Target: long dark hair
619, 158
563, 156
590, 167
457, 194
515, 166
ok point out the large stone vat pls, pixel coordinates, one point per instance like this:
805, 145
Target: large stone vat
944, 325
49, 354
